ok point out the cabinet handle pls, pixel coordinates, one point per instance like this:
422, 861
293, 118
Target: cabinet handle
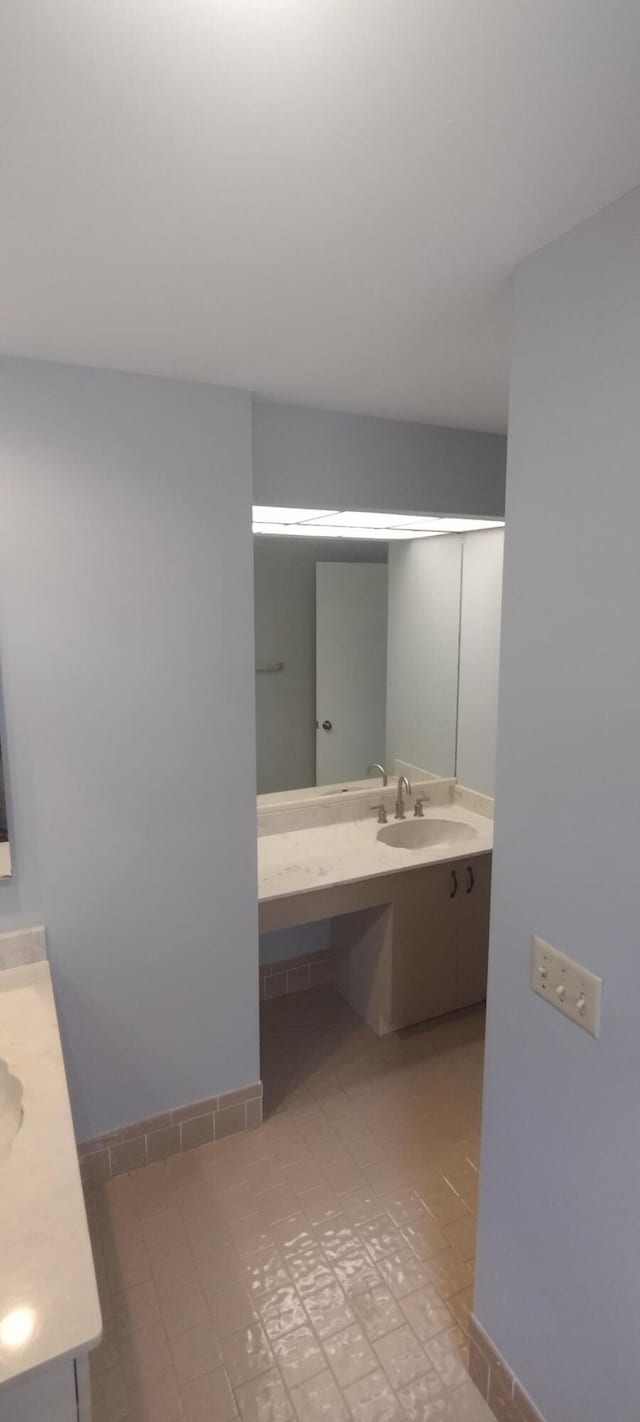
470, 879
454, 884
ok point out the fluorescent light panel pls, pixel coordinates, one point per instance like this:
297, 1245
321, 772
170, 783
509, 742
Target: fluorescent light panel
348, 523
328, 530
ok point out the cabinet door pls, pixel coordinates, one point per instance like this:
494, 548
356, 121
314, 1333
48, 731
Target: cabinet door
473, 929
425, 920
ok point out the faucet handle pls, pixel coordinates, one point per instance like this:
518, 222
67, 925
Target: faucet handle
418, 810
382, 813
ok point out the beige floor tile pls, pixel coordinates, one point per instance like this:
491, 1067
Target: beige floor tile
154, 1398
442, 1202
403, 1205
109, 1396
299, 1356
372, 1400
277, 1204
251, 1234
219, 1268
246, 1354
264, 1399
319, 1205
126, 1262
350, 1355
310, 1271
224, 1166
172, 1269
329, 1310
468, 1406
135, 1307
183, 1309
449, 1273
265, 1271
195, 1352
356, 1273
338, 1238
377, 1311
402, 1273
165, 1232
302, 1174
427, 1313
208, 1398
230, 1308
362, 1204
343, 1175
462, 1235
422, 1399
332, 1240
319, 1400
144, 1351
265, 1174
447, 1353
237, 1202
294, 1235
402, 1357
461, 1305
106, 1355
281, 1312
424, 1237
381, 1237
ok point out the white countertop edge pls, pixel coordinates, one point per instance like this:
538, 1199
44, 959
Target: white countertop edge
46, 1259
459, 852
332, 868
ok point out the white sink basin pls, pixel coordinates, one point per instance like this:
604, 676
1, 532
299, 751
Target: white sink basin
10, 1108
419, 834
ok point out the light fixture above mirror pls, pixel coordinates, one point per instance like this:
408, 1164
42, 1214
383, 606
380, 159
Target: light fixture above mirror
351, 523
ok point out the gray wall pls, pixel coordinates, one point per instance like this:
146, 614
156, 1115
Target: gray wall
285, 618
479, 659
324, 459
557, 1268
422, 652
127, 660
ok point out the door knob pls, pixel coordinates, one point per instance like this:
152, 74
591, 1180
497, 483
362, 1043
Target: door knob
327, 725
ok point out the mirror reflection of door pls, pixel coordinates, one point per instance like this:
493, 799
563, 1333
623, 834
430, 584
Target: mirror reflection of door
351, 669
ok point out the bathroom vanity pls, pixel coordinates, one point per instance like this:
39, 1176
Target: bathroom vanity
49, 1308
408, 901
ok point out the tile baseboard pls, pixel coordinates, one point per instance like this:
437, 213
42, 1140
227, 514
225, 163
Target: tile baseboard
495, 1380
169, 1133
295, 974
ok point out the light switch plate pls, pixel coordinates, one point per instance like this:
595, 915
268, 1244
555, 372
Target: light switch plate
566, 985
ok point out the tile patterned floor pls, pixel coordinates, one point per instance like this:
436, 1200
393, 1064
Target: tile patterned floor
319, 1268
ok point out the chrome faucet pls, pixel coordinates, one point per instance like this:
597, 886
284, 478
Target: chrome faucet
402, 780
383, 773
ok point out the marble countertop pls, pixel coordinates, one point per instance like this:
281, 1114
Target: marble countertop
300, 860
49, 1305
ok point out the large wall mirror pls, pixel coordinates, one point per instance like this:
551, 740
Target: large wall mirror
377, 641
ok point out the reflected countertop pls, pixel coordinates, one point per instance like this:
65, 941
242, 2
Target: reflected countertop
49, 1305
300, 860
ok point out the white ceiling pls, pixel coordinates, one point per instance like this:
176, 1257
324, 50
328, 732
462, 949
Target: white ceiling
320, 200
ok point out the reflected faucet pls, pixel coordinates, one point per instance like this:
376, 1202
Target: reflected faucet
402, 780
383, 773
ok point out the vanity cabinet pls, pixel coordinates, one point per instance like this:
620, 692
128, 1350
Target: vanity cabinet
57, 1393
440, 940
425, 930
473, 900
406, 947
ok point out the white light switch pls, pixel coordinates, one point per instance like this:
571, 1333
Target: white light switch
570, 988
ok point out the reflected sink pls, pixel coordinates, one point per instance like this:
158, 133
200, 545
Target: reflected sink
419, 834
10, 1108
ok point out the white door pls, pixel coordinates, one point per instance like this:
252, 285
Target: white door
351, 669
